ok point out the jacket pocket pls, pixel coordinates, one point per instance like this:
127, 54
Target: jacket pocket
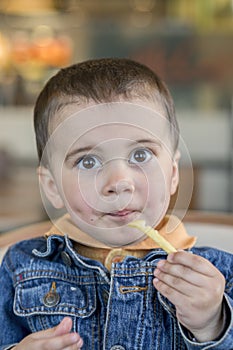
44, 302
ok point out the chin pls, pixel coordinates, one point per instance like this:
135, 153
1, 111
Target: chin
123, 243
114, 237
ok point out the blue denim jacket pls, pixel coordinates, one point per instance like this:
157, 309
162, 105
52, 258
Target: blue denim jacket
43, 280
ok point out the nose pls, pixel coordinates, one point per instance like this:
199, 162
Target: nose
117, 179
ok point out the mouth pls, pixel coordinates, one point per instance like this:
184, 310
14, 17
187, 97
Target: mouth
123, 215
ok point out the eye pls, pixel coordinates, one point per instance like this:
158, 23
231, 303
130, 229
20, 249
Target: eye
141, 155
88, 162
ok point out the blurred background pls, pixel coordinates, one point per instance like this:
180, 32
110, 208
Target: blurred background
188, 43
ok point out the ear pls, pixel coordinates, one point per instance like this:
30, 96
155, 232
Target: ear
175, 173
49, 186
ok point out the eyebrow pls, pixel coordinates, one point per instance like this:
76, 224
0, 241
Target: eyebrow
156, 142
78, 150
90, 147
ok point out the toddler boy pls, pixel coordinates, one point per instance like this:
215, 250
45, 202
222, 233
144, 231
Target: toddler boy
107, 140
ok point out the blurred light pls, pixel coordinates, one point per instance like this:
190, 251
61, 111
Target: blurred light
42, 35
143, 5
4, 51
27, 7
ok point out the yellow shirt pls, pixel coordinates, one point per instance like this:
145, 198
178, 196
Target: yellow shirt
91, 248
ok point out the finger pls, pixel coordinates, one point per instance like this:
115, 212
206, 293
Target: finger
180, 272
173, 295
194, 262
59, 342
80, 343
207, 289
64, 326
175, 282
75, 346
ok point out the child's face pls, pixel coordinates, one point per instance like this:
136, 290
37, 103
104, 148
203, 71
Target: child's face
113, 173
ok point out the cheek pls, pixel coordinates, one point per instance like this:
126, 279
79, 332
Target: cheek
158, 189
77, 205
158, 181
73, 193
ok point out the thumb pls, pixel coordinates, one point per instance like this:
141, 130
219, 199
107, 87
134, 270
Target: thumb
63, 327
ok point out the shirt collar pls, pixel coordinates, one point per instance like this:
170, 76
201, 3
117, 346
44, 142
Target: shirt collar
171, 228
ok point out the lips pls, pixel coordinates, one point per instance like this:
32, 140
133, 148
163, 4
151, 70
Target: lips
123, 216
121, 213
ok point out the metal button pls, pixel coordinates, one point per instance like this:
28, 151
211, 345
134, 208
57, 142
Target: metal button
117, 347
52, 298
66, 258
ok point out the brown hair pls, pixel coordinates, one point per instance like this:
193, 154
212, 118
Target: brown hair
101, 80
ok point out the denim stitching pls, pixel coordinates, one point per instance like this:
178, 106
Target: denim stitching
143, 316
109, 311
60, 308
132, 289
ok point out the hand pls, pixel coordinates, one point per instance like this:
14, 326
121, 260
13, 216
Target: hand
196, 289
57, 338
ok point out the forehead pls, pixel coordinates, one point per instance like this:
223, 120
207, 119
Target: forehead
102, 122
82, 109
108, 133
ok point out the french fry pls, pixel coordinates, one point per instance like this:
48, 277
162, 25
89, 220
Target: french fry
162, 242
